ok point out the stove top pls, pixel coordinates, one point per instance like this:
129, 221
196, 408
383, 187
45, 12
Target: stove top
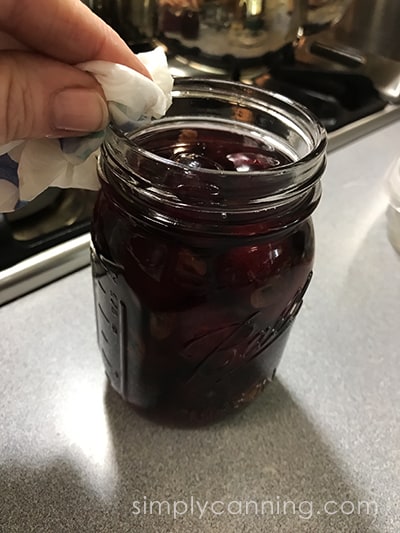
50, 238
45, 240
55, 216
337, 99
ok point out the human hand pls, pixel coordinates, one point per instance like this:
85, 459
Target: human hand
42, 94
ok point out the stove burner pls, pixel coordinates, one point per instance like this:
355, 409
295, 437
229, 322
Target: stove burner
231, 67
336, 98
54, 217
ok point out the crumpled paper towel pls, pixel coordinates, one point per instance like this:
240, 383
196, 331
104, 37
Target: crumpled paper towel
28, 167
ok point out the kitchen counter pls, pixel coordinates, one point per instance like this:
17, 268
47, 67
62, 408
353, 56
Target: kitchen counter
320, 448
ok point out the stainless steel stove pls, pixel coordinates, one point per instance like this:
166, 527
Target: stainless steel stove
43, 246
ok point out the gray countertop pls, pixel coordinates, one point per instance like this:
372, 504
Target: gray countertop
75, 458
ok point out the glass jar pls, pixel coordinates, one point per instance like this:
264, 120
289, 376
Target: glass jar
203, 246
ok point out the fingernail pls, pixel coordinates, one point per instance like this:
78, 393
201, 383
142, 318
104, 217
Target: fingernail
80, 110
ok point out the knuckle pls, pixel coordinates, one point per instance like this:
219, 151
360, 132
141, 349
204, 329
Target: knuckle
16, 106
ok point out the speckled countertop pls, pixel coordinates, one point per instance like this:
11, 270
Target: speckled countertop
74, 458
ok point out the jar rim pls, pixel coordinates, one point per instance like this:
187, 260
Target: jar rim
297, 123
219, 87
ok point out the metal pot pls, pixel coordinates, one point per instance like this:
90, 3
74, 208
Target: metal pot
324, 13
238, 28
366, 42
216, 29
372, 26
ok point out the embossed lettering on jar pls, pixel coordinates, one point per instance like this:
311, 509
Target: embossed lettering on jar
202, 248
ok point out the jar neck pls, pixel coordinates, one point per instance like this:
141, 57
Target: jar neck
167, 192
267, 218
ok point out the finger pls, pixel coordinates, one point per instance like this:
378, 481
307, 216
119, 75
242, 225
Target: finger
7, 42
43, 97
66, 30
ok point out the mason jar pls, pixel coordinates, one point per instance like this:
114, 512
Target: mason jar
203, 247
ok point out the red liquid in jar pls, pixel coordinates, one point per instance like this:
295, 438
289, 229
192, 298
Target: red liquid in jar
190, 331
216, 149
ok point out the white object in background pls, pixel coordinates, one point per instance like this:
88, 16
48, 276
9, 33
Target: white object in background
393, 212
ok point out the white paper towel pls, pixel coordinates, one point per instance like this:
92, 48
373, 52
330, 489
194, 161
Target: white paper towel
28, 167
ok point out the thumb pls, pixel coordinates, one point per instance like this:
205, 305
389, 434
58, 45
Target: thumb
42, 97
